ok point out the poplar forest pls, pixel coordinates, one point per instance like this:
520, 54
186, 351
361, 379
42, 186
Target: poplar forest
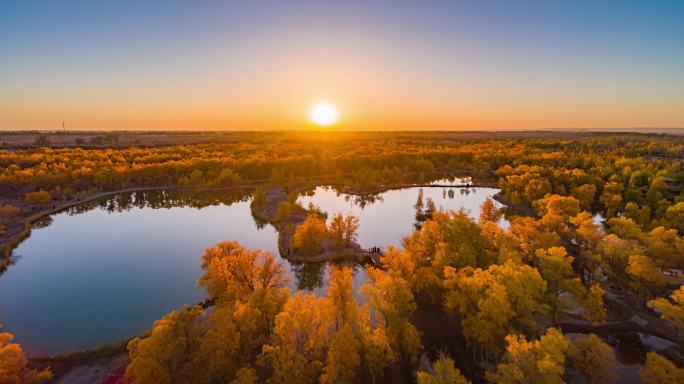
592, 250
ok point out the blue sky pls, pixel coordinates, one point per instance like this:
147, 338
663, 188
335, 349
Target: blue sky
388, 64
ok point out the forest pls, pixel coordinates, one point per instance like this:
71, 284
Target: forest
527, 303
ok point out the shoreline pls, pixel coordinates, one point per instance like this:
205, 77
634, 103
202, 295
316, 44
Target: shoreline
119, 347
15, 235
14, 239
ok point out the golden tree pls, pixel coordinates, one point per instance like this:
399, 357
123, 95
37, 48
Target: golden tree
14, 367
538, 361
165, 355
525, 289
672, 311
392, 303
443, 372
233, 272
297, 351
595, 359
482, 304
658, 370
342, 230
309, 235
556, 268
489, 212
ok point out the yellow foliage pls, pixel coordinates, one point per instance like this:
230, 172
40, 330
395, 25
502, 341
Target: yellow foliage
309, 235
14, 367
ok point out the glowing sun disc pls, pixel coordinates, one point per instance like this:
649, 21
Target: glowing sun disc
324, 114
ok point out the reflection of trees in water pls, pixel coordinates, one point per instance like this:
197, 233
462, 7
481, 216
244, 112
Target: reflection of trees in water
259, 221
363, 200
14, 258
309, 275
43, 222
351, 264
157, 199
449, 179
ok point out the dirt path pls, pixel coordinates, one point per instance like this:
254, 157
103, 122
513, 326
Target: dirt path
106, 370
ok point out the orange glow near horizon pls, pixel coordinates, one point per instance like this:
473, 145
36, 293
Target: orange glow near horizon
371, 99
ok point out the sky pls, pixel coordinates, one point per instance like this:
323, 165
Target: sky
387, 65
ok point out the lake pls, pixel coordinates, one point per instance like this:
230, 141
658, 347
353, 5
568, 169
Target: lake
105, 270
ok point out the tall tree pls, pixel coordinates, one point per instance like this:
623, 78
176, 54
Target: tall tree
419, 205
482, 304
336, 230
233, 272
525, 289
489, 212
378, 353
350, 229
165, 355
658, 370
343, 230
443, 372
556, 268
344, 357
309, 235
297, 351
593, 306
588, 235
392, 303
648, 279
538, 361
399, 263
595, 359
672, 311
585, 194
14, 367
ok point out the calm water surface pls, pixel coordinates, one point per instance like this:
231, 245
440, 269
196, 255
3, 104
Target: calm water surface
386, 218
104, 271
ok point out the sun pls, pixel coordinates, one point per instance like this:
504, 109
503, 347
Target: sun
324, 114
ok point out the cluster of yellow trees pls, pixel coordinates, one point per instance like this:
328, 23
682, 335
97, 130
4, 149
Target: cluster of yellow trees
495, 283
309, 236
14, 368
637, 175
258, 329
644, 189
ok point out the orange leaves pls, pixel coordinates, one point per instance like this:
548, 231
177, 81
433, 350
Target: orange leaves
233, 272
40, 197
309, 235
14, 364
343, 229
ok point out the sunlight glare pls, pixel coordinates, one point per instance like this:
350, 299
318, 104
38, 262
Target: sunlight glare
324, 114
